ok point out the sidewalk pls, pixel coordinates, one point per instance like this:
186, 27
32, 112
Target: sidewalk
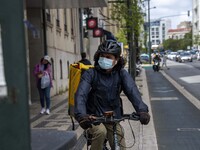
59, 120
52, 132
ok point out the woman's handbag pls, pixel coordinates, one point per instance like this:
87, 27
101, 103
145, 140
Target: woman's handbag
45, 80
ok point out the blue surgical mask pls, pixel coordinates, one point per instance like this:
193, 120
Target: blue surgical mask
105, 63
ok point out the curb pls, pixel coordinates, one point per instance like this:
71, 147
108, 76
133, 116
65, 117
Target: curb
148, 138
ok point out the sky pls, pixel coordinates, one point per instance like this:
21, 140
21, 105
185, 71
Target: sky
169, 8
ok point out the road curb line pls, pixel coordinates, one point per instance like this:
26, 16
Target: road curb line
181, 89
148, 138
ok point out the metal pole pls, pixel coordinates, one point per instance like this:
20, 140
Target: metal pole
132, 57
149, 44
81, 29
44, 27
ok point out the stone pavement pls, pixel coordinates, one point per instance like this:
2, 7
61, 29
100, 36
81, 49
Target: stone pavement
60, 121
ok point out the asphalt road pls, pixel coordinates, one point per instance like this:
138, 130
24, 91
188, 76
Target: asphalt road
176, 119
187, 75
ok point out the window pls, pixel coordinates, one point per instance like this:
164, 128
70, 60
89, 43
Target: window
52, 66
65, 20
61, 71
3, 85
72, 23
57, 18
48, 15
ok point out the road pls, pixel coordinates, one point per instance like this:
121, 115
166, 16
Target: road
176, 117
187, 75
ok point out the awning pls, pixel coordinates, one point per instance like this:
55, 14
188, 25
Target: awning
60, 4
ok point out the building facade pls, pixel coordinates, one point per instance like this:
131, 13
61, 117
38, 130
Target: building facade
158, 32
179, 33
57, 31
196, 23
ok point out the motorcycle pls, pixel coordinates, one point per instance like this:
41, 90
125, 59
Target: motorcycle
138, 69
156, 66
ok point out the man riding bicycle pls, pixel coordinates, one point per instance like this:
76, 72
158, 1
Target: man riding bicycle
99, 91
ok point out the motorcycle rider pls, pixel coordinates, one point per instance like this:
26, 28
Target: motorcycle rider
156, 61
99, 92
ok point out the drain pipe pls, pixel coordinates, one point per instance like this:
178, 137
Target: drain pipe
44, 27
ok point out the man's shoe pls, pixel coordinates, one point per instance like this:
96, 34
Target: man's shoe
47, 111
42, 111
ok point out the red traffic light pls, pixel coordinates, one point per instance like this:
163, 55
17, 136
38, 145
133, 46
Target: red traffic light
98, 32
91, 23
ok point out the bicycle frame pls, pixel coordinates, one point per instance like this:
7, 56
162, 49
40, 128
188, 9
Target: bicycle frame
112, 120
116, 144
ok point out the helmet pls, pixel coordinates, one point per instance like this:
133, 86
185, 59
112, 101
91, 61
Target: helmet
110, 47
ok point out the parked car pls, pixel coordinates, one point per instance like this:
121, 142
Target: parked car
194, 54
198, 55
185, 56
144, 58
168, 51
178, 54
172, 55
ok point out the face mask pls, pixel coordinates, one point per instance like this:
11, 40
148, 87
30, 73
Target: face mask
105, 63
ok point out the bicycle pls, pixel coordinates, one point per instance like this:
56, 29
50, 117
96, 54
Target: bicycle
109, 118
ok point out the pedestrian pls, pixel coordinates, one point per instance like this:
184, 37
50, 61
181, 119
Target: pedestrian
164, 61
99, 92
44, 69
84, 60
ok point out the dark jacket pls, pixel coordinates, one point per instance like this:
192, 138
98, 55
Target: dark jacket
85, 61
99, 92
156, 59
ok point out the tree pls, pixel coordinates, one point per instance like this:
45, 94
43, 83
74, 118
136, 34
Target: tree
178, 44
122, 15
128, 14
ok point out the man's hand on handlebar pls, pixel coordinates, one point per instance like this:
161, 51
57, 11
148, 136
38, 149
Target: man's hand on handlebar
86, 121
144, 117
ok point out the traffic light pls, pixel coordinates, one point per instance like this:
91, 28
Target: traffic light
188, 13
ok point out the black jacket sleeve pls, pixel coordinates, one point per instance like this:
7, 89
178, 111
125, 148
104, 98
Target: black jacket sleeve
131, 91
81, 94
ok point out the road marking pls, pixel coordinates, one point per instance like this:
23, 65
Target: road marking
163, 91
191, 79
163, 98
190, 97
188, 129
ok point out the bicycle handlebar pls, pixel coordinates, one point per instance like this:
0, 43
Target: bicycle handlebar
134, 116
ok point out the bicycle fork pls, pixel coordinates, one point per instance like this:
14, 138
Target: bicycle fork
115, 138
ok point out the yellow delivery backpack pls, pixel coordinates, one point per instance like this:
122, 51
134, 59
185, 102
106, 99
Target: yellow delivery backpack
76, 71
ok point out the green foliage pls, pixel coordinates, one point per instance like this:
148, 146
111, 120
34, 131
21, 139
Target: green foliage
197, 39
121, 36
124, 18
